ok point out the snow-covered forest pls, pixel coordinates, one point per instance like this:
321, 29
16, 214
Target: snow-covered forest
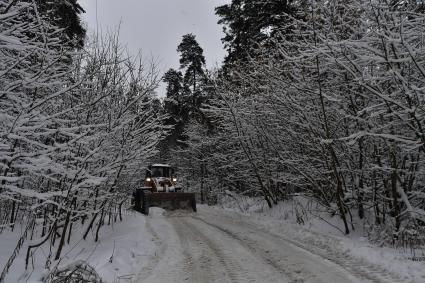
325, 100
318, 102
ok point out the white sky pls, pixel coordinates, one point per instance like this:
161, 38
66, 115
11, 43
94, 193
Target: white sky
156, 27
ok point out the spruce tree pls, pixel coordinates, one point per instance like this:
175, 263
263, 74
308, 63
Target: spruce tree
174, 102
248, 24
65, 14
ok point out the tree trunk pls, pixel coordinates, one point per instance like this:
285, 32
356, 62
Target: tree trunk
99, 224
12, 215
63, 236
396, 205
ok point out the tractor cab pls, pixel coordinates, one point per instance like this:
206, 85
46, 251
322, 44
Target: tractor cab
161, 178
160, 170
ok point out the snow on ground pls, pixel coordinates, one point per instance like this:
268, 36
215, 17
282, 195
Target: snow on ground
123, 250
212, 246
321, 233
251, 242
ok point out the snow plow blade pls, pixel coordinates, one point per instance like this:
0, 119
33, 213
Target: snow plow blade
167, 201
172, 201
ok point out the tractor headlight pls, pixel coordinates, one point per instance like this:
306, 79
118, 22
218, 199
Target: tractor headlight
148, 179
174, 179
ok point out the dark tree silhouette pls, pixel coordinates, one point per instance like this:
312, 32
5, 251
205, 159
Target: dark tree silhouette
66, 15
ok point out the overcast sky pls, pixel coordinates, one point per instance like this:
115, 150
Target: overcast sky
157, 26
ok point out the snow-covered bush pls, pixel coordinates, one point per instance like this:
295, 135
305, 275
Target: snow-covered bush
77, 272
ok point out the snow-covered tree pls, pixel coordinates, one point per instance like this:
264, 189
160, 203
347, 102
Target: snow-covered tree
75, 130
333, 110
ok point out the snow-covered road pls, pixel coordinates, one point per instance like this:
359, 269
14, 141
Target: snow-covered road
212, 246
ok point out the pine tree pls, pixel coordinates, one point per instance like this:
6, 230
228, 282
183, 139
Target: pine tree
185, 90
193, 61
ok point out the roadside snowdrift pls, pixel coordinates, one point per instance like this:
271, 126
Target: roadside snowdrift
303, 222
122, 251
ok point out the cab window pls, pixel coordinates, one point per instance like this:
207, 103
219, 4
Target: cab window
157, 172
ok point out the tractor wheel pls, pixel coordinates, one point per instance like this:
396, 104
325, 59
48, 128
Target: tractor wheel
137, 200
193, 204
145, 203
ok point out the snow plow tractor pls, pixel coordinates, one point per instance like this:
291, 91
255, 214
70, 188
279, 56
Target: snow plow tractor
161, 189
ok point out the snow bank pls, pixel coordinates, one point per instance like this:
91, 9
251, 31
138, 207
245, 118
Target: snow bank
123, 250
302, 220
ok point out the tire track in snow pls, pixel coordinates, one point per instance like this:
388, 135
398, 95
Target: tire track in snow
197, 265
227, 264
155, 258
265, 255
241, 264
356, 267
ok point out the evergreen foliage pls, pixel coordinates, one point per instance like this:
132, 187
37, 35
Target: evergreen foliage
192, 60
174, 101
248, 24
185, 91
65, 14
